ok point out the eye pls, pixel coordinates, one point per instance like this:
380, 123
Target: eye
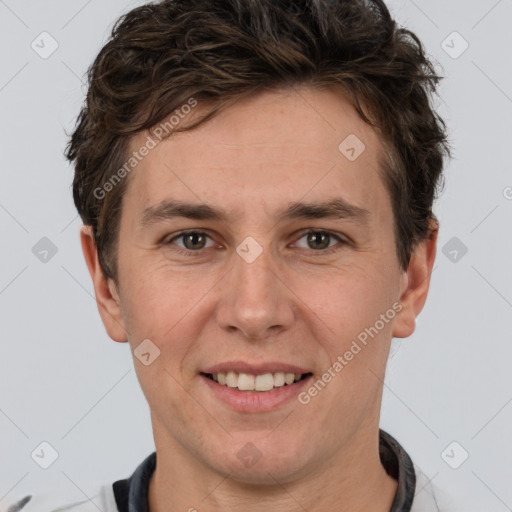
192, 241
320, 241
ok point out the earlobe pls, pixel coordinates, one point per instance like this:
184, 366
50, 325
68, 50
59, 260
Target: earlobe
107, 298
415, 283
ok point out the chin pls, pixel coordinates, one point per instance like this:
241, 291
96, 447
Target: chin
269, 466
263, 474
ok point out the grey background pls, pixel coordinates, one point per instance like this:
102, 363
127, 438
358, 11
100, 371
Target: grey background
65, 382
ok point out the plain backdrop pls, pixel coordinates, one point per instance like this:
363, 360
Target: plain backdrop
448, 389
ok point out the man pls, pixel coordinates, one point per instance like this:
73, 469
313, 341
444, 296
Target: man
221, 141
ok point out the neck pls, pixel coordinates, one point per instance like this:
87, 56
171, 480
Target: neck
354, 481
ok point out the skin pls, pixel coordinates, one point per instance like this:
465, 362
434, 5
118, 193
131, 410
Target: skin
293, 304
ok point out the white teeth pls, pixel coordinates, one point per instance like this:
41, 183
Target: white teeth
245, 382
249, 382
263, 382
232, 379
278, 379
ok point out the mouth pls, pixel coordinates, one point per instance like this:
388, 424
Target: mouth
255, 387
258, 383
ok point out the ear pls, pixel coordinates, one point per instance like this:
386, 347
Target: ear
107, 297
415, 283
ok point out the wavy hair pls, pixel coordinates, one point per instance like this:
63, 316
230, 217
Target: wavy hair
161, 54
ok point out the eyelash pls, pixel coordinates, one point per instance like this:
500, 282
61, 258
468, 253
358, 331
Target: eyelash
320, 252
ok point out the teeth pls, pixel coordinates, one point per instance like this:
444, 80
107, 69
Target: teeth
245, 382
248, 382
289, 378
263, 382
279, 379
232, 379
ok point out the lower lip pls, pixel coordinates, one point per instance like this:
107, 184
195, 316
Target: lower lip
256, 401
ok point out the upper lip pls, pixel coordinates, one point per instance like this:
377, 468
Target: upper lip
254, 369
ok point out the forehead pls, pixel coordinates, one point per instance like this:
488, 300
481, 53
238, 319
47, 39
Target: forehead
265, 150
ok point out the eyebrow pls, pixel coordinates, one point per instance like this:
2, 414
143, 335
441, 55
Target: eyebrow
336, 208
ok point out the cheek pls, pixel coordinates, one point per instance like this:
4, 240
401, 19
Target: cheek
347, 305
158, 298
169, 308
345, 298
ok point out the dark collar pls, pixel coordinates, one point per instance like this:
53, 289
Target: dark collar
132, 493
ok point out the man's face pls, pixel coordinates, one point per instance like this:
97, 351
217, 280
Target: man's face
301, 302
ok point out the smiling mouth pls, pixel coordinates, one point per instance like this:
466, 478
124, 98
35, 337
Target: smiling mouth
260, 383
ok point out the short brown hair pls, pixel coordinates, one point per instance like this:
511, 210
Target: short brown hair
161, 54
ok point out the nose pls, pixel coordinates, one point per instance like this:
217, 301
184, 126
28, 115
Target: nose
255, 299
